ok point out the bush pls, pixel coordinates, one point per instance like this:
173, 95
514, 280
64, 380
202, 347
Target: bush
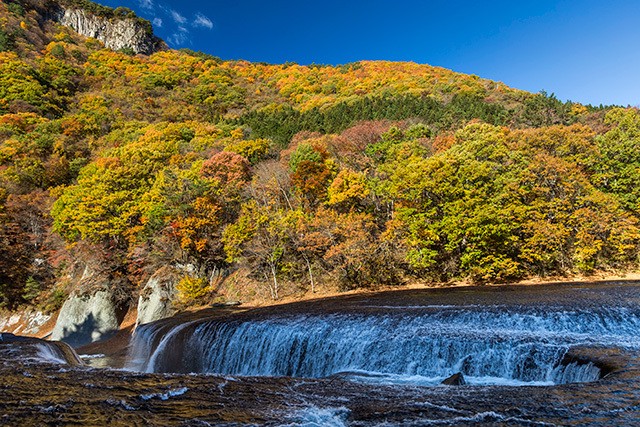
128, 50
54, 301
303, 153
253, 150
192, 289
57, 51
32, 289
16, 9
6, 41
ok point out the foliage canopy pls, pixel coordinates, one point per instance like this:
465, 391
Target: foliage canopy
362, 174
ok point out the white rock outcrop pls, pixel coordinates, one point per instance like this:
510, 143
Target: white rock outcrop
157, 297
26, 323
86, 318
115, 33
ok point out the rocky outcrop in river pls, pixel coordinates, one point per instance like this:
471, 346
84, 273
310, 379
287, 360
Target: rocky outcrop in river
157, 298
21, 348
86, 318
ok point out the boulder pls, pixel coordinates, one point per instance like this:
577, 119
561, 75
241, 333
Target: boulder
455, 379
157, 298
86, 318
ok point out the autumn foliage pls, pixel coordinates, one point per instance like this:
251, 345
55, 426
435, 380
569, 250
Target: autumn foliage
300, 176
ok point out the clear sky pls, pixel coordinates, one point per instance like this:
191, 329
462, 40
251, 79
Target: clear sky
581, 50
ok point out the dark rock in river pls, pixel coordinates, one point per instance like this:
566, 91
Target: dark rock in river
8, 337
29, 348
227, 304
455, 379
606, 360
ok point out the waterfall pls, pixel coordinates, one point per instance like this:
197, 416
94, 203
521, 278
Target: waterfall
415, 345
29, 349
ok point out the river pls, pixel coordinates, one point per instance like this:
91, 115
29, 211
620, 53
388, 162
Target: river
559, 354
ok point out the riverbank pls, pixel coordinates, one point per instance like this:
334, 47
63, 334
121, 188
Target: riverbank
331, 292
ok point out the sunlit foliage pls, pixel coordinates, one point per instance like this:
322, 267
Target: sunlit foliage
357, 175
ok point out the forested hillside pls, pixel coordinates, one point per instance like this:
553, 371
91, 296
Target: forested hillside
266, 179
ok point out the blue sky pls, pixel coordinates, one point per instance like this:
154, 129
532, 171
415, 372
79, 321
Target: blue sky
581, 50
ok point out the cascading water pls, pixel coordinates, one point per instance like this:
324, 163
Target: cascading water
413, 345
35, 350
380, 357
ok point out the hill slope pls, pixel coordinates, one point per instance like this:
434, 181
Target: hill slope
257, 179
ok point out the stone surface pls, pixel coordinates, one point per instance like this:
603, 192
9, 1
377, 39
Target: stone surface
114, 33
156, 299
28, 322
36, 394
455, 379
29, 348
86, 318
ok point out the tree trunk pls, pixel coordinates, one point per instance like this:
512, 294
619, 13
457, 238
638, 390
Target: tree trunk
274, 288
313, 285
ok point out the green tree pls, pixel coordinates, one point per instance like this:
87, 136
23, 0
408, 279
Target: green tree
617, 168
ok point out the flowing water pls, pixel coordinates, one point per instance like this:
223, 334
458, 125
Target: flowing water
511, 344
489, 345
544, 355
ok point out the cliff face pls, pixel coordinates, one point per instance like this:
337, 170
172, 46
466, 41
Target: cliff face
115, 33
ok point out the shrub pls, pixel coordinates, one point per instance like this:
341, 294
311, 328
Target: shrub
54, 301
192, 289
16, 9
32, 289
58, 51
6, 41
128, 50
253, 150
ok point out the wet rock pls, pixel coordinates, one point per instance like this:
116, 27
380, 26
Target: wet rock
605, 359
455, 379
23, 348
86, 318
227, 304
351, 375
157, 297
65, 352
9, 337
34, 395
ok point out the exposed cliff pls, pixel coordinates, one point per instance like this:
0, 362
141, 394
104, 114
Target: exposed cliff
118, 28
124, 31
115, 32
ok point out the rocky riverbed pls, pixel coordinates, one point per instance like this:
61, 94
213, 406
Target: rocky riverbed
37, 390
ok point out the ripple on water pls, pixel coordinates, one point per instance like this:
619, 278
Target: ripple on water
314, 416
